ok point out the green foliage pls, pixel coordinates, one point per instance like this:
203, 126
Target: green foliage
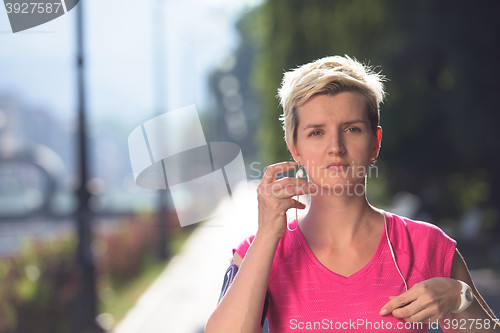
37, 287
469, 192
441, 117
288, 34
39, 284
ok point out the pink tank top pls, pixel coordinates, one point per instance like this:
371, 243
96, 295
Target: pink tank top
307, 296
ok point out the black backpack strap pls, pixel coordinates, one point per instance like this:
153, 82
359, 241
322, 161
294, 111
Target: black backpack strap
228, 279
264, 310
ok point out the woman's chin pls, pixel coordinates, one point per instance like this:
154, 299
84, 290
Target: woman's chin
340, 186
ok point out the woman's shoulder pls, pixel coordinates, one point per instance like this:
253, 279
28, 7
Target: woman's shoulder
285, 242
407, 233
405, 224
429, 248
243, 246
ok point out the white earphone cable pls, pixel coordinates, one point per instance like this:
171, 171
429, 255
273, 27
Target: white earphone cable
392, 253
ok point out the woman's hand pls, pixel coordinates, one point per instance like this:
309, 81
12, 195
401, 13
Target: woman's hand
275, 198
429, 300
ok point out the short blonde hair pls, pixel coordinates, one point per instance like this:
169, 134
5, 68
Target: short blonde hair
330, 76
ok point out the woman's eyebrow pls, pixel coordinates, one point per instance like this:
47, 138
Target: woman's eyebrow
350, 122
356, 121
313, 126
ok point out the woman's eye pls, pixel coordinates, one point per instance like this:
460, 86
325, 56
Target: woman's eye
353, 129
314, 133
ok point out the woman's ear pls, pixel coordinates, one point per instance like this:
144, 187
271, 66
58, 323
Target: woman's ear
295, 154
379, 140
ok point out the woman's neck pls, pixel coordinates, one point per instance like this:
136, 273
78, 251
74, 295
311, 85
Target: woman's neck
339, 220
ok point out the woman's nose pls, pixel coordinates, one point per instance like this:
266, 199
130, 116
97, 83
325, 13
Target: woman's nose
336, 144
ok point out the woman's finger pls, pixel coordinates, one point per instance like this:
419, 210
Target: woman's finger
295, 204
285, 192
274, 169
289, 187
399, 302
410, 312
425, 316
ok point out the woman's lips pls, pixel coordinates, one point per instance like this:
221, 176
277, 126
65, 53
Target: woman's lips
337, 166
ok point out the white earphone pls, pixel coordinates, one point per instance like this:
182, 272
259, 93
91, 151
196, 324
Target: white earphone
298, 174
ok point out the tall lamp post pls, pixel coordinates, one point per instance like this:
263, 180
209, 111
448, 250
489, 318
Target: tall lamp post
160, 98
86, 302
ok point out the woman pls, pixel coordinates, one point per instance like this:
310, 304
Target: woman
345, 264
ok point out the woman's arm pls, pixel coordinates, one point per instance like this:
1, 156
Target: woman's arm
240, 310
478, 314
434, 299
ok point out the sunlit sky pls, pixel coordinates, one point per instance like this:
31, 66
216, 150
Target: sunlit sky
38, 65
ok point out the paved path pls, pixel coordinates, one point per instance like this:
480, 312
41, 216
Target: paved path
186, 293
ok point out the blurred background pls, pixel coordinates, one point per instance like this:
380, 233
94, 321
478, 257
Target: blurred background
79, 240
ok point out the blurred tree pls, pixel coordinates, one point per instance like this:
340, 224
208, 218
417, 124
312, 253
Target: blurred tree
442, 114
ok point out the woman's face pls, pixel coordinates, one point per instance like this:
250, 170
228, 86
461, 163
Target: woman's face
334, 140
